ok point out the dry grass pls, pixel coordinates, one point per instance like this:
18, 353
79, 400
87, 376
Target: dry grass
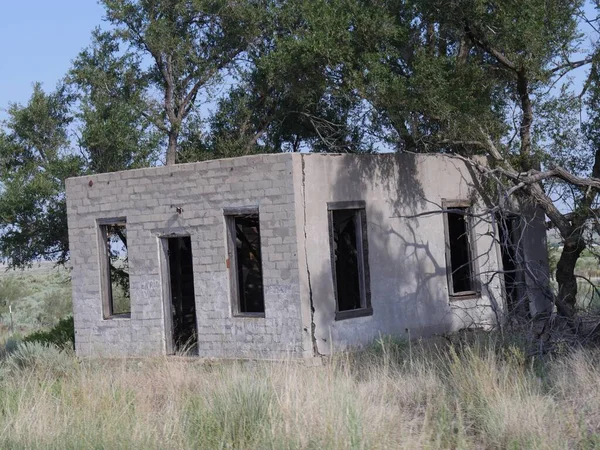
483, 395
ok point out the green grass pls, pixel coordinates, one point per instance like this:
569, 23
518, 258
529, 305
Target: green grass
484, 394
587, 264
121, 301
38, 298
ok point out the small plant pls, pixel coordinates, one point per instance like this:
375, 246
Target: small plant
61, 335
237, 414
41, 357
11, 345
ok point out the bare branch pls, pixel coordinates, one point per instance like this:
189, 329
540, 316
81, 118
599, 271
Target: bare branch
572, 65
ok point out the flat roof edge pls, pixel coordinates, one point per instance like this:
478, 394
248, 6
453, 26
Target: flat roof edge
183, 166
147, 171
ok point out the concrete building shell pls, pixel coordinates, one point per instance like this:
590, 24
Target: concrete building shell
405, 246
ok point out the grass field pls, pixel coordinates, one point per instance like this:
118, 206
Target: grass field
482, 394
38, 299
486, 394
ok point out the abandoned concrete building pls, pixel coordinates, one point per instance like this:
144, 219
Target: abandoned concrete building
290, 255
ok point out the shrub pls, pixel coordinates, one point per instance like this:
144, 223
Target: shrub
11, 344
56, 304
61, 335
41, 357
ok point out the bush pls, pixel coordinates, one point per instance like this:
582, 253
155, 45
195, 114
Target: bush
40, 357
61, 335
56, 304
11, 344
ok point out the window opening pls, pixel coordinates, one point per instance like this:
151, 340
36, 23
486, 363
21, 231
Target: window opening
459, 246
115, 262
245, 263
348, 240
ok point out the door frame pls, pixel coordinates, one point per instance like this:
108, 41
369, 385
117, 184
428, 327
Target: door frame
165, 272
167, 300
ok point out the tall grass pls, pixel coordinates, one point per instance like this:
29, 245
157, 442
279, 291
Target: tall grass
38, 300
485, 394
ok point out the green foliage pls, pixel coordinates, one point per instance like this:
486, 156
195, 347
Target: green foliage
61, 335
237, 415
413, 73
11, 290
34, 163
484, 393
110, 88
30, 356
299, 91
10, 345
190, 44
55, 305
40, 297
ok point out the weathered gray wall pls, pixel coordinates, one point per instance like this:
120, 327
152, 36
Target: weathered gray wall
409, 290
147, 198
535, 258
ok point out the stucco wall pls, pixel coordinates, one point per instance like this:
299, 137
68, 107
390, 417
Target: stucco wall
409, 290
148, 199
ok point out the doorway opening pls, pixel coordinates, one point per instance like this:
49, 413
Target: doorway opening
509, 235
182, 298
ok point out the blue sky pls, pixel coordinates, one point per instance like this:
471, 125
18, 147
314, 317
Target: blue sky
38, 41
40, 38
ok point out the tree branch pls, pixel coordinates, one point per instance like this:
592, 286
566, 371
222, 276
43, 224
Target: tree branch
572, 65
484, 45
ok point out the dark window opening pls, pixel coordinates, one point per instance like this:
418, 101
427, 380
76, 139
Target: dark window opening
245, 263
115, 264
183, 299
349, 261
460, 251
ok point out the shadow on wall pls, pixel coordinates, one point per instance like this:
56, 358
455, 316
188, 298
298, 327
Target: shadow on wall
406, 250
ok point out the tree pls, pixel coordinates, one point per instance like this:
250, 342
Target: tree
34, 162
131, 90
461, 77
190, 44
101, 103
292, 95
113, 131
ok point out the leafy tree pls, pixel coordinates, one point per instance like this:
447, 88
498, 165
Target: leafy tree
34, 162
293, 94
113, 131
190, 45
101, 103
133, 88
462, 77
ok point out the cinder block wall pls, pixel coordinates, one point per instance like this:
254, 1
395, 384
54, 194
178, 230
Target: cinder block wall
148, 199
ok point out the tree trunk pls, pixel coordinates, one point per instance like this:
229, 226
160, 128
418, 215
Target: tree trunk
526, 121
574, 245
172, 148
565, 276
